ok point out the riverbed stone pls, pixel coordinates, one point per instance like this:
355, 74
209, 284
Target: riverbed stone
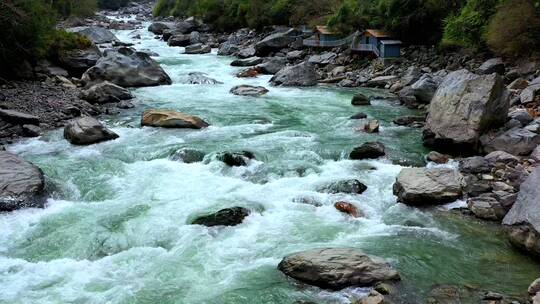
359, 115
235, 159
348, 208
180, 40
198, 48
517, 141
158, 27
171, 119
487, 208
105, 92
474, 165
350, 186
21, 183
337, 268
437, 157
86, 131
368, 150
18, 118
361, 99
493, 65
188, 156
424, 89
523, 220
372, 126
428, 186
272, 66
464, 107
126, 68
248, 90
277, 41
201, 78
224, 217
251, 61
300, 75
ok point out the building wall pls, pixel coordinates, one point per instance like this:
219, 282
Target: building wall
389, 51
328, 37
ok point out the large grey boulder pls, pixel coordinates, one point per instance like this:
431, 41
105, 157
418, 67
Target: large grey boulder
337, 268
225, 217
322, 59
21, 183
179, 40
96, 34
228, 48
277, 41
105, 92
272, 66
523, 220
424, 89
300, 75
87, 131
127, 68
251, 61
530, 94
464, 107
78, 61
520, 142
493, 65
198, 48
428, 186
158, 27
486, 208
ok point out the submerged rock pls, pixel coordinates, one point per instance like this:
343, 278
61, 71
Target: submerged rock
359, 116
361, 99
351, 186
372, 126
235, 159
428, 186
464, 107
523, 220
225, 217
198, 48
369, 150
105, 92
348, 208
171, 119
127, 68
201, 78
188, 156
337, 268
247, 90
87, 131
21, 183
300, 75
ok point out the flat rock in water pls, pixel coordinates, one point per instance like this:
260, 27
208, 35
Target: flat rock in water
201, 78
337, 268
247, 90
198, 48
369, 150
188, 156
87, 131
428, 186
21, 183
359, 116
351, 186
225, 217
486, 208
171, 119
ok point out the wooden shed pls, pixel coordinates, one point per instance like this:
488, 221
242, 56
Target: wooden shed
323, 33
379, 42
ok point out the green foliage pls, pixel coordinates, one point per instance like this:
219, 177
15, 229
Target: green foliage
466, 28
515, 28
81, 8
112, 4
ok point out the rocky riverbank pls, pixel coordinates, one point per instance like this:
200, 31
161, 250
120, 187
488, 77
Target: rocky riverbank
484, 114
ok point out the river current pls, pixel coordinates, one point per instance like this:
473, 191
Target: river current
116, 228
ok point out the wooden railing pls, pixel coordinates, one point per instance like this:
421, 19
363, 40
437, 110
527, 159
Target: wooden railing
365, 48
353, 41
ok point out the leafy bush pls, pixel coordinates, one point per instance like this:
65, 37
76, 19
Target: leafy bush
515, 28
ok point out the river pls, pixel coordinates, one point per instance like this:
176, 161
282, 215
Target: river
116, 228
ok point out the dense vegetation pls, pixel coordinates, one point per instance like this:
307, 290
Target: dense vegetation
28, 29
462, 23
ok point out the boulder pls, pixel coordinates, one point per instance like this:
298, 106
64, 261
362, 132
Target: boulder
127, 68
248, 73
87, 131
272, 66
158, 27
521, 115
105, 92
424, 89
411, 76
530, 94
195, 37
247, 90
437, 157
227, 48
382, 81
322, 59
21, 183
464, 107
247, 52
251, 61
337, 268
474, 165
493, 65
519, 142
18, 118
347, 208
523, 220
187, 26
179, 40
369, 150
428, 186
351, 186
96, 34
277, 41
359, 115
361, 99
201, 78
171, 119
501, 157
410, 121
299, 75
78, 61
188, 156
198, 48
235, 159
225, 217
372, 126
518, 84
486, 208
534, 287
